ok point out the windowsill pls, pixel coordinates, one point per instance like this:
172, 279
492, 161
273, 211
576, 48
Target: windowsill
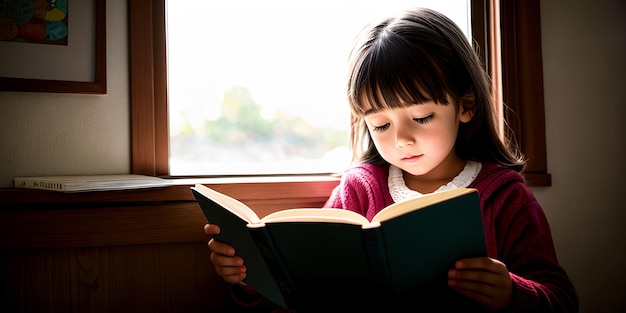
253, 179
263, 188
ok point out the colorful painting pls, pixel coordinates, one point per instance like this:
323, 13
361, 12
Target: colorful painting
34, 21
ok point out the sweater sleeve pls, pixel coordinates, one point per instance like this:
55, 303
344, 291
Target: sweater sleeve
363, 189
518, 234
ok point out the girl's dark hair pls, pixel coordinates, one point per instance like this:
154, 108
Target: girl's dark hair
416, 57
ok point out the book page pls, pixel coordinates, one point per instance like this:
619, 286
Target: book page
400, 208
235, 206
327, 215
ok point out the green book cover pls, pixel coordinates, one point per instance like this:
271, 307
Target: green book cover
322, 256
234, 231
422, 245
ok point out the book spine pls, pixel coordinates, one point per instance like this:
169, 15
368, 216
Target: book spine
377, 258
276, 265
33, 183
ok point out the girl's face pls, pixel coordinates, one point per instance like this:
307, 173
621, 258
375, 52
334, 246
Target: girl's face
419, 139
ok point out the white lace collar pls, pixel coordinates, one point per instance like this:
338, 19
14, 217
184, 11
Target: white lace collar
399, 191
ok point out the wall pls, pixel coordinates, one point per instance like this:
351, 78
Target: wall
583, 49
583, 57
65, 134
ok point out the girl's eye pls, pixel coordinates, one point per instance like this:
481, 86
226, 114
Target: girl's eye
381, 128
423, 120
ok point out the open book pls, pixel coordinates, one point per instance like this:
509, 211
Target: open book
295, 257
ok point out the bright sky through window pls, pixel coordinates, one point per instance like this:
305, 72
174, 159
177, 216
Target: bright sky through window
258, 87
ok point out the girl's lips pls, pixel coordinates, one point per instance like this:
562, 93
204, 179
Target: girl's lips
411, 158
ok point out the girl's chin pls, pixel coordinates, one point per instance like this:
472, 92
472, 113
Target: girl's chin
413, 170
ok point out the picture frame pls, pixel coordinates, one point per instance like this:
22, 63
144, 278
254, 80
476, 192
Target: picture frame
96, 83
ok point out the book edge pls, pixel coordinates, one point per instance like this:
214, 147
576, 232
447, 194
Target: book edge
403, 207
324, 215
229, 203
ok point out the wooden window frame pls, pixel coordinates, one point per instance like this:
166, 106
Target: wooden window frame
521, 79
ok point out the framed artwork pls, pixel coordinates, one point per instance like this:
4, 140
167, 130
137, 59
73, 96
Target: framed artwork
53, 46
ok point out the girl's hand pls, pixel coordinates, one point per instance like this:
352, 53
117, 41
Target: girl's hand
227, 265
484, 280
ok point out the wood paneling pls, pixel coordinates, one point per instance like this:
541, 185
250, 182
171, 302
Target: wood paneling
140, 278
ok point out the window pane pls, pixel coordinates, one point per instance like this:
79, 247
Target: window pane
258, 87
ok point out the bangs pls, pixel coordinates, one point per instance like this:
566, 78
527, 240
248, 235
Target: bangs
396, 72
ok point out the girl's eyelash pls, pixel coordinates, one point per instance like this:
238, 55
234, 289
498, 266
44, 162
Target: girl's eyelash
423, 120
381, 128
420, 120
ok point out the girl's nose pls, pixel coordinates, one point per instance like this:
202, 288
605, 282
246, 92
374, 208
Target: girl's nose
404, 138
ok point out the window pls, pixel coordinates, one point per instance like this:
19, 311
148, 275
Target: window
521, 77
258, 87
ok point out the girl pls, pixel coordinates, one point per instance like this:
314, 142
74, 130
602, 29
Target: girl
422, 122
